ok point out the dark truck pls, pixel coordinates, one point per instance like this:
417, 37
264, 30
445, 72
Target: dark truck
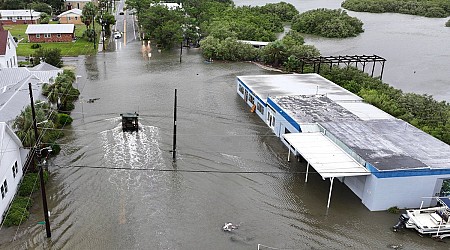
130, 121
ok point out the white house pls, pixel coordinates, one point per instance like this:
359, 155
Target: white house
385, 161
71, 16
19, 16
8, 55
12, 159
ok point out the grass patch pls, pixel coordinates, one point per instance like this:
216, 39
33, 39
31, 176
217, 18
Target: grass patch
79, 47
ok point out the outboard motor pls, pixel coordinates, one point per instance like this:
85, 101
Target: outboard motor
401, 222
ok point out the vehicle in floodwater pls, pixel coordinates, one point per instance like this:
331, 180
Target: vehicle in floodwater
130, 122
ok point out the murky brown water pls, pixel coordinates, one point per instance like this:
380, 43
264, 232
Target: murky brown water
114, 190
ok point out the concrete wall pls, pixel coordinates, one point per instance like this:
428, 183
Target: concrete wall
403, 192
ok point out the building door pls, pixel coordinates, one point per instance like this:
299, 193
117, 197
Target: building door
270, 119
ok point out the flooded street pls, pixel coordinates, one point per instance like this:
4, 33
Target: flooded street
115, 190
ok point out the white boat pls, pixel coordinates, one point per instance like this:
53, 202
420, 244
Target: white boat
434, 221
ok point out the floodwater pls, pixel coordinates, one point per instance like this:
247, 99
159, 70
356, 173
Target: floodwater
115, 190
416, 49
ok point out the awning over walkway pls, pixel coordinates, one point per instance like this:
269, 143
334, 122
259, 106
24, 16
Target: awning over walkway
328, 159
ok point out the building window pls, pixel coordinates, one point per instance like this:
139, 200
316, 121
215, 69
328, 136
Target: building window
241, 89
38, 35
251, 99
260, 108
47, 35
58, 35
4, 189
19, 18
76, 18
68, 18
15, 169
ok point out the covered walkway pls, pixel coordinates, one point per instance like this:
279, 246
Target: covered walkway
327, 158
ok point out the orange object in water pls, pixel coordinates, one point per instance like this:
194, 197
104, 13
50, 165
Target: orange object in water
253, 108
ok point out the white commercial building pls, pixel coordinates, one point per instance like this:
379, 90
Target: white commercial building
385, 161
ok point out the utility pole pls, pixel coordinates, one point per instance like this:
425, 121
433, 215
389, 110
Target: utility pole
174, 149
102, 22
37, 152
93, 27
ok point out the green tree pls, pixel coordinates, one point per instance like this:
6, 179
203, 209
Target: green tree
50, 56
327, 23
274, 53
41, 7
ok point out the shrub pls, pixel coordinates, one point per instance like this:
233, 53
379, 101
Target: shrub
394, 210
447, 24
64, 119
18, 212
30, 183
35, 46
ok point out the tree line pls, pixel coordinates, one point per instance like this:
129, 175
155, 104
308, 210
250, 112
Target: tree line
427, 8
221, 19
46, 6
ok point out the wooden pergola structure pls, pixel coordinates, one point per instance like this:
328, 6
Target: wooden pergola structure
363, 60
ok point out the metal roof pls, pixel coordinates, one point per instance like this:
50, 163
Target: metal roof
50, 28
75, 11
311, 109
254, 43
391, 144
15, 13
328, 159
296, 84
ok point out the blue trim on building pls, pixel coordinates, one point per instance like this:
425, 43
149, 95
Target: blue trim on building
283, 114
406, 173
250, 91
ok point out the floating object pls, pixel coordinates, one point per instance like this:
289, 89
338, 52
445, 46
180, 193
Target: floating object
228, 227
130, 122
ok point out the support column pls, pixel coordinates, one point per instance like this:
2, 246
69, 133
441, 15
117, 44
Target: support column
289, 154
307, 171
329, 194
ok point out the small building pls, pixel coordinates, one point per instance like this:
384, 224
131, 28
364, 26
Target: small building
19, 16
256, 44
385, 161
77, 4
8, 55
71, 16
12, 160
44, 33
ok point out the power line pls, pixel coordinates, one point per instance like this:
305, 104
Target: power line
220, 171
